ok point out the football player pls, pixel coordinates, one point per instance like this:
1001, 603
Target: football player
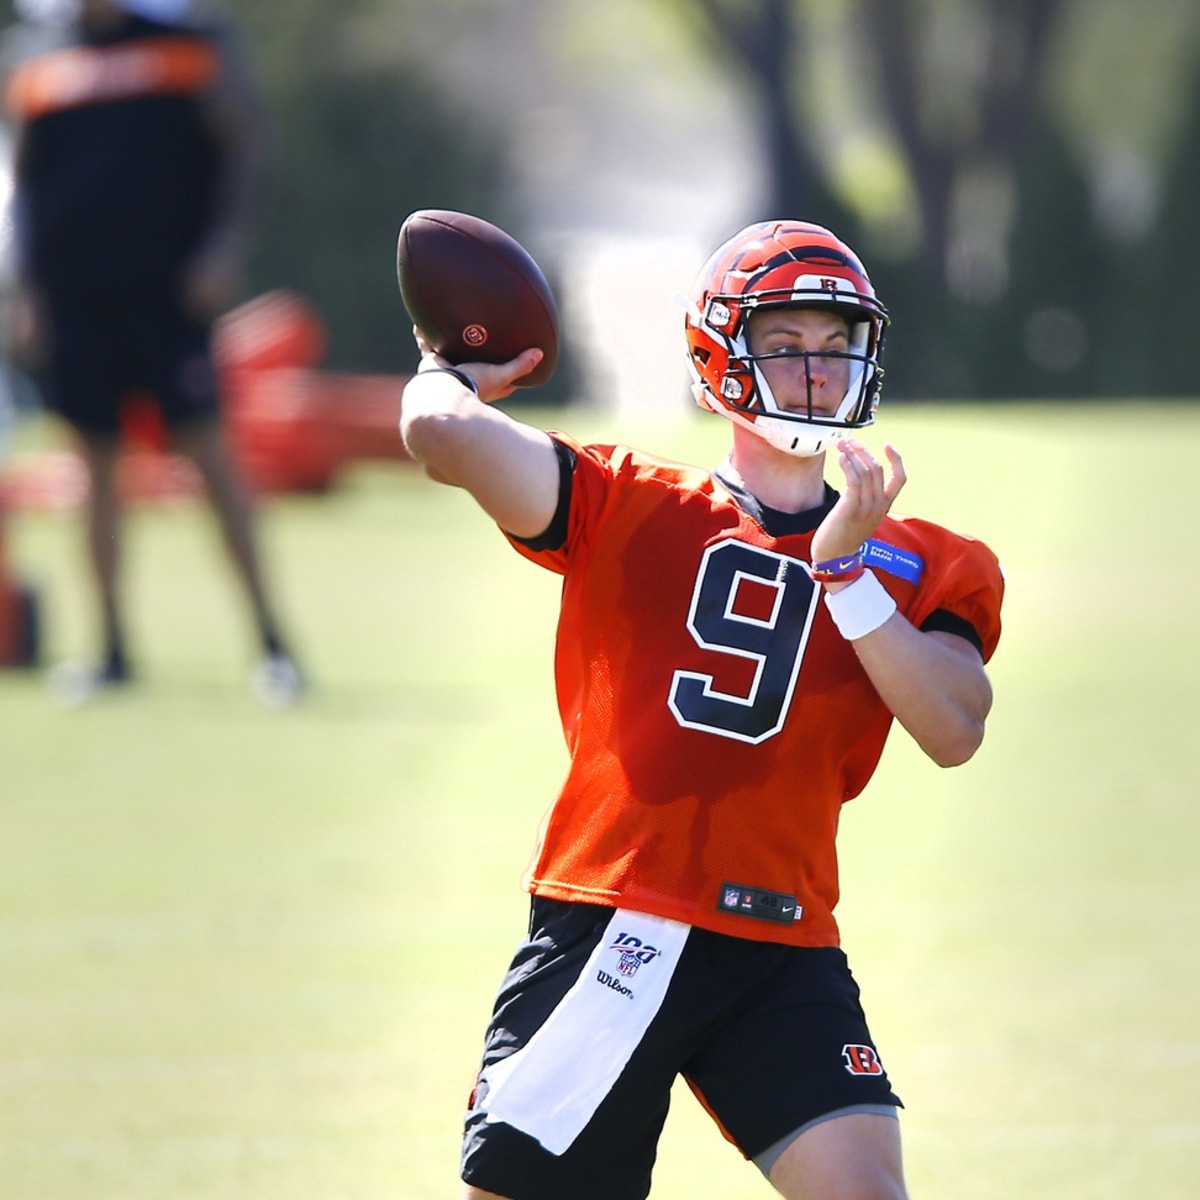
137, 150
733, 647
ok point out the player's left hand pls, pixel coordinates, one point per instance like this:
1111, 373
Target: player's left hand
867, 499
210, 280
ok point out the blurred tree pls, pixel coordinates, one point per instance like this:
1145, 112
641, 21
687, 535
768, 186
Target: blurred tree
762, 38
368, 127
1165, 293
1004, 270
359, 141
960, 130
355, 153
1014, 171
1037, 335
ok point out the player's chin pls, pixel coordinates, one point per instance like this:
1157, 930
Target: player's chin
814, 417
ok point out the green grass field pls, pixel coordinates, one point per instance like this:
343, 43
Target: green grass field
249, 955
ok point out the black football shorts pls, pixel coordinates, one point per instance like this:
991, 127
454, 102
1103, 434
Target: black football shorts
101, 353
603, 1008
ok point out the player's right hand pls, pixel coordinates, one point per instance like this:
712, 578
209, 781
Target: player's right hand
26, 328
494, 381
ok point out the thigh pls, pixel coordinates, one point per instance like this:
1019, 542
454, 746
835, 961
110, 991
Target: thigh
170, 356
856, 1156
581, 1113
84, 375
796, 1049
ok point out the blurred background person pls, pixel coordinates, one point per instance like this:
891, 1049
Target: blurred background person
138, 140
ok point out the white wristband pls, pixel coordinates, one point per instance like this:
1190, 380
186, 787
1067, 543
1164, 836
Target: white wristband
860, 607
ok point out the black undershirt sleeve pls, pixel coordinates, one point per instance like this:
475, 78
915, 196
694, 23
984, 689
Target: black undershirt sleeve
555, 534
941, 621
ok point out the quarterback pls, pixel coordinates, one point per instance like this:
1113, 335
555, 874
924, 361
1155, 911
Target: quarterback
733, 647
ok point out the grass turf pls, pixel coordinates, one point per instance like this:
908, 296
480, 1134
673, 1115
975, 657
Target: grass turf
250, 954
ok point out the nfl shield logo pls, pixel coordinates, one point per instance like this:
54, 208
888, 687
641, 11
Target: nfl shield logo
632, 954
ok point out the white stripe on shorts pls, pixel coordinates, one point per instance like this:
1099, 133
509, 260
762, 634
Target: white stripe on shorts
550, 1088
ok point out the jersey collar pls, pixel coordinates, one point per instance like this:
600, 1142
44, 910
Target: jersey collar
778, 524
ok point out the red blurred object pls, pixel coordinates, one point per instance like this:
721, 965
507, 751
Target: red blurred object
295, 427
277, 329
142, 425
292, 426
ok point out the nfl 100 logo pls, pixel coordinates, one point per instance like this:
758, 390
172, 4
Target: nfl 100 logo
633, 953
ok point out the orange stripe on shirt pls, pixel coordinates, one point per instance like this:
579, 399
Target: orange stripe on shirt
82, 75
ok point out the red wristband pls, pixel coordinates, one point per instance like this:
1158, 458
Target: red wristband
838, 570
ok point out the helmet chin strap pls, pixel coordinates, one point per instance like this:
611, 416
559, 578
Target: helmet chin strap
796, 438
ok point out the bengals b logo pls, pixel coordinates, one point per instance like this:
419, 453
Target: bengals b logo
862, 1060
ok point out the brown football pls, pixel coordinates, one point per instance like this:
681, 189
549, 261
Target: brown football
475, 292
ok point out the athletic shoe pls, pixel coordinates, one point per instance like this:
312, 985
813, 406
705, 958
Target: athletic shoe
74, 684
276, 681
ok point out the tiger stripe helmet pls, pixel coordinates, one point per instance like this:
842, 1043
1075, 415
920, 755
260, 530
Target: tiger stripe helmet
778, 264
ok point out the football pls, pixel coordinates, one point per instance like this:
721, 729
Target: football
474, 292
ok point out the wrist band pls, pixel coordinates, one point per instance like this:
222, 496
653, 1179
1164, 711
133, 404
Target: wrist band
839, 570
860, 608
461, 376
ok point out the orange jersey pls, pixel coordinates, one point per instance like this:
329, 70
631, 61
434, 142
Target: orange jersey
716, 720
77, 76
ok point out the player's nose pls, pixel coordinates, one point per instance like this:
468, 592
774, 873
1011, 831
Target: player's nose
819, 371
818, 384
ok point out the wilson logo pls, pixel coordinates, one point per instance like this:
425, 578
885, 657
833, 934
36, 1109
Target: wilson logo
862, 1060
615, 984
